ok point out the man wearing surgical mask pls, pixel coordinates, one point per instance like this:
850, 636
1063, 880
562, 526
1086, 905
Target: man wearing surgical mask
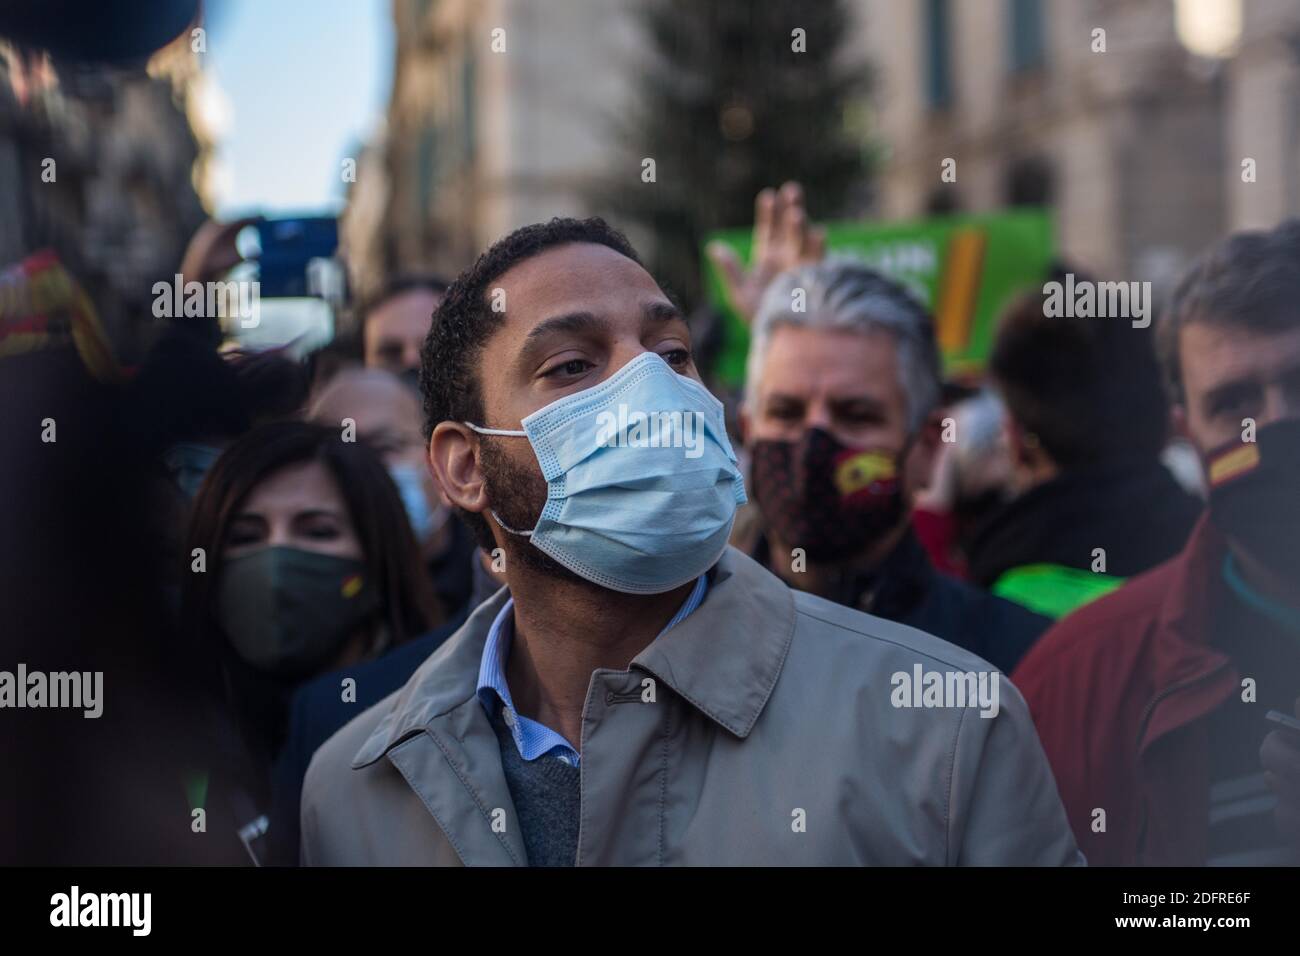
386, 415
639, 677
842, 423
1153, 703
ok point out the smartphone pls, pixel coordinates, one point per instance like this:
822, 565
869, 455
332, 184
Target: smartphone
286, 247
299, 283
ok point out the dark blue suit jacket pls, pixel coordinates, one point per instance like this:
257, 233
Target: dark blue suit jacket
318, 711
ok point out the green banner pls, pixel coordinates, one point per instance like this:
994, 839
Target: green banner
964, 268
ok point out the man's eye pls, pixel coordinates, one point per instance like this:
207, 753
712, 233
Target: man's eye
571, 367
1232, 404
859, 417
678, 358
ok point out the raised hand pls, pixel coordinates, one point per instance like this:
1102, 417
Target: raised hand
783, 239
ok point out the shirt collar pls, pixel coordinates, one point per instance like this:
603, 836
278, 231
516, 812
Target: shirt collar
531, 737
496, 651
724, 660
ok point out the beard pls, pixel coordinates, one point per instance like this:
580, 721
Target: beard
518, 493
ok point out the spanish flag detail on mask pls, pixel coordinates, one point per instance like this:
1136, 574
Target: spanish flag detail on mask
1233, 462
863, 474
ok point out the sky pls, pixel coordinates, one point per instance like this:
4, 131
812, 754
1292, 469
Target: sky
296, 86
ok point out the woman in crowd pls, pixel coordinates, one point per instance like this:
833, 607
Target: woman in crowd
302, 561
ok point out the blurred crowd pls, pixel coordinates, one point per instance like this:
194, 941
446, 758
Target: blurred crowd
255, 548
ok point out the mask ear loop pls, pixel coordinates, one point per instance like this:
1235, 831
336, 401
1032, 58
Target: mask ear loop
495, 431
509, 433
505, 527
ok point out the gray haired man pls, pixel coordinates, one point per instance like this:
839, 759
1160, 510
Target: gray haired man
841, 419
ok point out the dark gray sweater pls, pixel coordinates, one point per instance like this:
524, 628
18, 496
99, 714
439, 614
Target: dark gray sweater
547, 800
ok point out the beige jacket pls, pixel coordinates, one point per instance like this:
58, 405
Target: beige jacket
773, 738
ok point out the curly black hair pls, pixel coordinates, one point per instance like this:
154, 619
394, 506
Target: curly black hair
464, 320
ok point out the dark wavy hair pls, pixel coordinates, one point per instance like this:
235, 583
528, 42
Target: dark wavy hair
374, 505
409, 606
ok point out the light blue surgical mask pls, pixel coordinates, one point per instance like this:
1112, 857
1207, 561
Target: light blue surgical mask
642, 483
425, 521
188, 464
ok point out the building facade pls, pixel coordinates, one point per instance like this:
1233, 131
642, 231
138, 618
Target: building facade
1097, 108
497, 119
1263, 102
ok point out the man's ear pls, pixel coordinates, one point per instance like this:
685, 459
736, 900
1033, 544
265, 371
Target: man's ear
919, 467
743, 422
1031, 464
1178, 421
454, 462
1019, 449
1020, 456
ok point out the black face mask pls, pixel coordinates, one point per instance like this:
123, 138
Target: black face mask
289, 611
1255, 495
831, 500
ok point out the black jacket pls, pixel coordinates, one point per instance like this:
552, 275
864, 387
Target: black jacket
1136, 511
318, 711
907, 588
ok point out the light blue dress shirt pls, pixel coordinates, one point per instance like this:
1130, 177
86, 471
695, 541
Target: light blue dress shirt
535, 739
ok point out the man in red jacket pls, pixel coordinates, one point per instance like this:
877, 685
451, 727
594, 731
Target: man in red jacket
1151, 702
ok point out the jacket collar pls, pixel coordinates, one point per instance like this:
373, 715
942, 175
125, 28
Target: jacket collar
724, 659
1183, 659
1186, 612
442, 683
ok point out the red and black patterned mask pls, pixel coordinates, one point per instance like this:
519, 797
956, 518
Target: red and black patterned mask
831, 500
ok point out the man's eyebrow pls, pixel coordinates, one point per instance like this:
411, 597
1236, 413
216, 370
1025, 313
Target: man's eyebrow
1230, 389
663, 312
569, 322
870, 401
